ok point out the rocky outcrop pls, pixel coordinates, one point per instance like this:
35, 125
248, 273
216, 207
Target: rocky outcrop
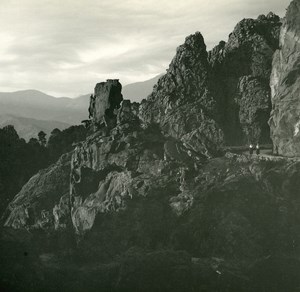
240, 79
285, 85
202, 101
105, 101
207, 99
43, 202
182, 104
109, 171
235, 220
149, 194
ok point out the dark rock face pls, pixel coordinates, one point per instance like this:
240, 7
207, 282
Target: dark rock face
106, 170
181, 102
129, 112
233, 218
223, 96
285, 84
43, 202
240, 79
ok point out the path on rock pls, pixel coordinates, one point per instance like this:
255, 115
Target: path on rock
266, 153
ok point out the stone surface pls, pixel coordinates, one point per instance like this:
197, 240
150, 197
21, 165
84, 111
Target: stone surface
106, 99
240, 79
207, 99
129, 112
43, 202
285, 85
181, 103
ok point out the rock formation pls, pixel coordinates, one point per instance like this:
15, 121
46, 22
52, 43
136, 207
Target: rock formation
223, 96
153, 202
43, 202
135, 150
240, 79
181, 102
285, 85
105, 101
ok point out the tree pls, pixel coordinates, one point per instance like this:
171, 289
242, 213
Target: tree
33, 142
42, 138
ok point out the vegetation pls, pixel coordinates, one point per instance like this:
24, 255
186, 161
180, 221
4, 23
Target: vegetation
21, 160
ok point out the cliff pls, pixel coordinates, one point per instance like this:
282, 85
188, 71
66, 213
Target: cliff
151, 198
208, 99
240, 79
181, 102
43, 202
285, 85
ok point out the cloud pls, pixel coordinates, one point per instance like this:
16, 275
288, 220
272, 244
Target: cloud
66, 47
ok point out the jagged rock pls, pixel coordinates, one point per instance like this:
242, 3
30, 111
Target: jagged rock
253, 100
181, 102
108, 197
37, 204
152, 185
240, 79
128, 112
106, 99
285, 85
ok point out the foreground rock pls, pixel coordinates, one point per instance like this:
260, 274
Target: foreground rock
43, 203
236, 219
285, 84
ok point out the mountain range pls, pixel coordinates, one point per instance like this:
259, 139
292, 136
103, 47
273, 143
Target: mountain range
31, 111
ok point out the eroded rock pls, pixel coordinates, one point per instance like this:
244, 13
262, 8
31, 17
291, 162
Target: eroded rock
105, 101
44, 201
285, 85
181, 103
240, 79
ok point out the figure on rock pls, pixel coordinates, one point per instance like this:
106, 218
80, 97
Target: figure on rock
251, 148
257, 149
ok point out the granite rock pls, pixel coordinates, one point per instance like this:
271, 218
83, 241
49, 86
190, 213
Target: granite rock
285, 85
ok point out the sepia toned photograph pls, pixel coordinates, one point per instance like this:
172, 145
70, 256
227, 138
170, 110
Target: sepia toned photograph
150, 146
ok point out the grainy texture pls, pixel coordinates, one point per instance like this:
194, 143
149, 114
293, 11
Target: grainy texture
285, 85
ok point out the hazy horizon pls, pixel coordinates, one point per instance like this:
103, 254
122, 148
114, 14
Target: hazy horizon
64, 48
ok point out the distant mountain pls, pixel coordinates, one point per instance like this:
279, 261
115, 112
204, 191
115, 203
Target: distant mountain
139, 90
31, 111
34, 104
28, 128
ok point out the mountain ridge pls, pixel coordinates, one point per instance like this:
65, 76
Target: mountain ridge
31, 103
29, 128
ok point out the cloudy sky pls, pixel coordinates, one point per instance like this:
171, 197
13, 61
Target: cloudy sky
64, 47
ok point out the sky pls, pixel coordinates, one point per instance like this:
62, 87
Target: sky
65, 47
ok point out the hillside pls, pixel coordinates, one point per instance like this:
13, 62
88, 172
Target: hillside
139, 90
31, 111
28, 128
34, 104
